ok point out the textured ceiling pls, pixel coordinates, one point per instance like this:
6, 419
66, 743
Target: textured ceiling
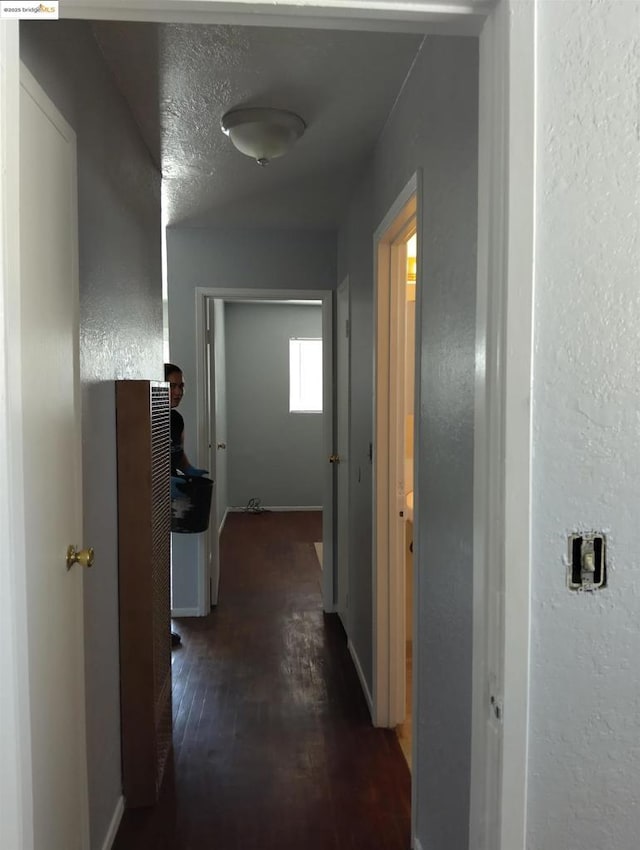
180, 79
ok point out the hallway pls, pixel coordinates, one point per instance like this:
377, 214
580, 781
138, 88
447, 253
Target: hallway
273, 745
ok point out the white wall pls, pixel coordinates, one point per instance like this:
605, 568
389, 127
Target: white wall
120, 337
433, 127
273, 455
584, 769
243, 259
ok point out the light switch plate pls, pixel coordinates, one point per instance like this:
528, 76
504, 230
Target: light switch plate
587, 567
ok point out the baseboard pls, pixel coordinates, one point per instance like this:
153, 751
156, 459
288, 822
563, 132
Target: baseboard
114, 825
185, 612
242, 509
224, 519
416, 844
363, 681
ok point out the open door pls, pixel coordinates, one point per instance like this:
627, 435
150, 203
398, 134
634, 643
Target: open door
216, 429
395, 493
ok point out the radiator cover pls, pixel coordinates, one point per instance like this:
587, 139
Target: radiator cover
144, 523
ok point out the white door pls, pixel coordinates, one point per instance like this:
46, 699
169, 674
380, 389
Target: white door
52, 473
342, 451
216, 460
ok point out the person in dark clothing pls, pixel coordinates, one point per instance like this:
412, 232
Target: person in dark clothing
179, 460
180, 463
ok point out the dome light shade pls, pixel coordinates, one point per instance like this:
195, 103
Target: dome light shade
262, 133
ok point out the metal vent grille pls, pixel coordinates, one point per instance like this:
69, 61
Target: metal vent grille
161, 528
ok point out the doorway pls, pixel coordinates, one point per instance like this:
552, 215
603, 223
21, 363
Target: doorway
395, 491
212, 429
500, 126
404, 344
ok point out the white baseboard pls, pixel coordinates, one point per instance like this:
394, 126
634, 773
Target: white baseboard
224, 519
114, 825
363, 681
185, 612
416, 844
242, 509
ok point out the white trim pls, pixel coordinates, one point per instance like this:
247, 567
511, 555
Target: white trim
361, 676
224, 519
436, 17
342, 512
418, 846
518, 376
16, 798
483, 794
396, 208
328, 524
185, 612
388, 605
233, 294
114, 825
202, 444
317, 296
416, 664
502, 474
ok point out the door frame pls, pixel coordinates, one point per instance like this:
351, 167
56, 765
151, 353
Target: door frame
389, 601
228, 294
210, 417
503, 426
506, 30
16, 799
343, 447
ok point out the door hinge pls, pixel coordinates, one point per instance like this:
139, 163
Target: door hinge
347, 328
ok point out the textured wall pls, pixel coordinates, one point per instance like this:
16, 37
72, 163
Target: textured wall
120, 337
273, 455
242, 259
355, 253
433, 127
584, 770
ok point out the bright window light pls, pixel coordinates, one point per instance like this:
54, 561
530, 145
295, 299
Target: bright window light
305, 375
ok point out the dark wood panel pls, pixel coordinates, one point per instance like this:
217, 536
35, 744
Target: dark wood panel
143, 443
273, 745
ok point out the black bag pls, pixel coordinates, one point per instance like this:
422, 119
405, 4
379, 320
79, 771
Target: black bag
190, 512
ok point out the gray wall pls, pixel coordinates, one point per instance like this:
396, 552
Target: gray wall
433, 127
120, 337
355, 253
273, 454
241, 259
584, 770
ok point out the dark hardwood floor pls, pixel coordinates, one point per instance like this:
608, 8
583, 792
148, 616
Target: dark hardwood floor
273, 744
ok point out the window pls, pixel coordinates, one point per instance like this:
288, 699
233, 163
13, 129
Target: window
305, 375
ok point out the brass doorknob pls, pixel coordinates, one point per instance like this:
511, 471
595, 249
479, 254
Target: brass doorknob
84, 557
334, 458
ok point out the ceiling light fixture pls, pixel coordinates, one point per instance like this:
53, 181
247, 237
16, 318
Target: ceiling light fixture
261, 132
